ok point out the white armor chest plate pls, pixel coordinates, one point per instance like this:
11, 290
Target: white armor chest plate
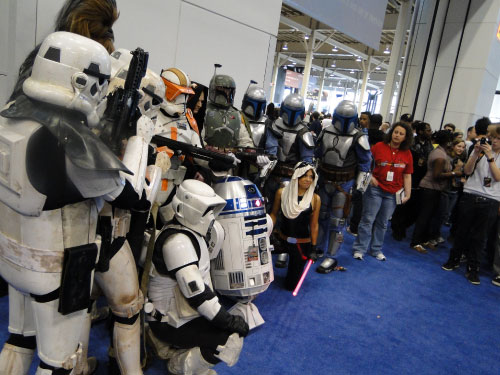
177, 129
163, 290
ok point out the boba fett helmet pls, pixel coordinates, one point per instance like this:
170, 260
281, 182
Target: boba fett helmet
221, 90
292, 110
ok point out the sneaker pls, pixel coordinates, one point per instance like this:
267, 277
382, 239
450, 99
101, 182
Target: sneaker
473, 277
380, 257
440, 240
496, 280
450, 265
357, 256
355, 234
420, 249
432, 244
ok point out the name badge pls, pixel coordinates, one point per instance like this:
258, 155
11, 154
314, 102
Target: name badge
487, 182
390, 176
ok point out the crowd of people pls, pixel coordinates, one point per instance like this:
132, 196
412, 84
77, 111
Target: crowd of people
446, 172
160, 195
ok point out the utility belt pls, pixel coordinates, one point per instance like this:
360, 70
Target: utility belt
283, 170
331, 174
294, 240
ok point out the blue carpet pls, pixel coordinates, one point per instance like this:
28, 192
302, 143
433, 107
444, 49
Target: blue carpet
402, 316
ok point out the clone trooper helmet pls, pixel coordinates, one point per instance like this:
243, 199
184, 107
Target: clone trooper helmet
196, 206
178, 87
345, 117
221, 90
254, 102
71, 71
152, 89
292, 110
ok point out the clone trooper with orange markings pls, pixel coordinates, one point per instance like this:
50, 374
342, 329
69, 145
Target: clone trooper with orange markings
175, 121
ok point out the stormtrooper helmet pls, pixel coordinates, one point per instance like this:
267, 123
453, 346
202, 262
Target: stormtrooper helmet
345, 117
196, 206
221, 90
292, 110
152, 89
254, 102
70, 71
178, 87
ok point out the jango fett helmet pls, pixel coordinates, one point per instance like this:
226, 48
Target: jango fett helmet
196, 205
292, 110
70, 71
221, 90
254, 102
345, 117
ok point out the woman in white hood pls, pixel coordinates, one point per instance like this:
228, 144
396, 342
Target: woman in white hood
298, 207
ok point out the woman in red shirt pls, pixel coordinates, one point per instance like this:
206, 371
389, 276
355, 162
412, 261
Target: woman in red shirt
393, 169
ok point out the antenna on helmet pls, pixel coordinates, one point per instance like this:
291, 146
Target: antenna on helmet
252, 82
215, 68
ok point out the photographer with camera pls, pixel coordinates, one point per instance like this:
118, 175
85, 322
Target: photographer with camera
481, 130
478, 205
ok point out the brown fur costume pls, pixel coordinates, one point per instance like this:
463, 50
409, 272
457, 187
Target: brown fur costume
91, 18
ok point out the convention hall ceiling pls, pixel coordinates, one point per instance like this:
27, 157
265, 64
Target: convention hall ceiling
342, 55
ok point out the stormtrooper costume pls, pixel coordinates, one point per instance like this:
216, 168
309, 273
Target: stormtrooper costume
122, 223
224, 127
183, 309
344, 152
58, 172
291, 141
175, 121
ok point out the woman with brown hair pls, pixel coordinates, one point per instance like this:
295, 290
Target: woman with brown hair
392, 172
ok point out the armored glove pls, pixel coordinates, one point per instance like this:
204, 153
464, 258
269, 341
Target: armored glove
231, 323
262, 161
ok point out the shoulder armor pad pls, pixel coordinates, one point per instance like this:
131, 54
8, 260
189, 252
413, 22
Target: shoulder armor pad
277, 128
191, 121
179, 251
363, 142
307, 138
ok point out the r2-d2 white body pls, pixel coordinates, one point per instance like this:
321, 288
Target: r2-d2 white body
243, 269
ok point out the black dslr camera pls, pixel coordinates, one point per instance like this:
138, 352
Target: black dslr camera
483, 141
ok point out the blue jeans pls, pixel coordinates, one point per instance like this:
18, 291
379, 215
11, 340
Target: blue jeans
378, 207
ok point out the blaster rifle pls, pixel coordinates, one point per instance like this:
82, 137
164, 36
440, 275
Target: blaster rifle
122, 104
196, 152
250, 155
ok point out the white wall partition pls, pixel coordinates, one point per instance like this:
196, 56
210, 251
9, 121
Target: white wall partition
191, 35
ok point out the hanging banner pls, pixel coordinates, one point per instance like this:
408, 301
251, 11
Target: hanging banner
360, 19
293, 79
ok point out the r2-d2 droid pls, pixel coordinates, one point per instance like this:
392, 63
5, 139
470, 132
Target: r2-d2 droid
243, 269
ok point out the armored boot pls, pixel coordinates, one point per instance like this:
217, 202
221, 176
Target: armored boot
15, 360
126, 342
190, 362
